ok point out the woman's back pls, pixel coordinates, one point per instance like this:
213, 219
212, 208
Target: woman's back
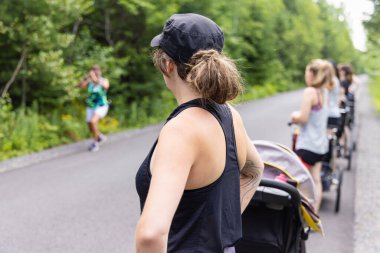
334, 99
208, 215
191, 187
313, 136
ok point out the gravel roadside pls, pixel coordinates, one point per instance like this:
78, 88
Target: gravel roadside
367, 197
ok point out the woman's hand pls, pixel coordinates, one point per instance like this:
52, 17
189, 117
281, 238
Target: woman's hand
85, 81
295, 116
93, 76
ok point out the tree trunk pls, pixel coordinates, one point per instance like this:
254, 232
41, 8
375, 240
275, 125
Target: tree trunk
15, 72
107, 27
23, 97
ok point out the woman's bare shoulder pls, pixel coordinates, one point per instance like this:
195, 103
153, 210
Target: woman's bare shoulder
186, 124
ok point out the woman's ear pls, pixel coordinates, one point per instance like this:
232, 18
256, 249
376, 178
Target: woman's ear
170, 67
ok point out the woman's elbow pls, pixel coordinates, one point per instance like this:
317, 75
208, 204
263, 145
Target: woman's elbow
260, 169
147, 240
302, 119
261, 166
148, 237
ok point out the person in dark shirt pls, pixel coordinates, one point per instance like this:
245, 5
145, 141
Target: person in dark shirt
203, 169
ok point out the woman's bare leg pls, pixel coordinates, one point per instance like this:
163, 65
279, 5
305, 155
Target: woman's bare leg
93, 126
316, 174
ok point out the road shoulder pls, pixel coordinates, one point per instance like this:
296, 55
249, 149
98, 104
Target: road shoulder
367, 196
64, 150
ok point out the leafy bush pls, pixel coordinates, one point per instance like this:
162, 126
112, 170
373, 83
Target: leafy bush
375, 91
23, 131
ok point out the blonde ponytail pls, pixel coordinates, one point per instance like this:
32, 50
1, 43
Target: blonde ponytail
322, 72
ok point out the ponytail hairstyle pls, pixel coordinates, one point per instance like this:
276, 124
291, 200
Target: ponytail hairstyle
347, 72
210, 73
322, 72
331, 85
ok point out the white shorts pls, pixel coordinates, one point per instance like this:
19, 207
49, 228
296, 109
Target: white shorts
101, 111
229, 250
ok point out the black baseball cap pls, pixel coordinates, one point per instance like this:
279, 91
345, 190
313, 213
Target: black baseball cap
185, 34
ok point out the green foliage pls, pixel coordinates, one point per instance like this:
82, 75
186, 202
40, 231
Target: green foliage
24, 131
371, 58
375, 91
272, 41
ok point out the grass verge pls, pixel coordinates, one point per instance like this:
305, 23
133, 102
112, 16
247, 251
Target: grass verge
24, 131
375, 92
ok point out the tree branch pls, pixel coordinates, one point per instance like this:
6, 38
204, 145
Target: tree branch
15, 72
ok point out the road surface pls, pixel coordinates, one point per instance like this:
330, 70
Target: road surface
87, 202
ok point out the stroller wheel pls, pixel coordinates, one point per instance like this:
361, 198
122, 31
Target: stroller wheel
354, 146
302, 247
338, 191
349, 159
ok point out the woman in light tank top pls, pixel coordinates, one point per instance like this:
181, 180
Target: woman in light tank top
336, 93
312, 143
333, 111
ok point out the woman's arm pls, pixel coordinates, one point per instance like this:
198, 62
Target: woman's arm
105, 83
173, 158
101, 81
251, 166
342, 96
85, 81
250, 175
302, 116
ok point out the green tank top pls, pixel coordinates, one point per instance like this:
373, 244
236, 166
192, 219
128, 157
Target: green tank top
97, 96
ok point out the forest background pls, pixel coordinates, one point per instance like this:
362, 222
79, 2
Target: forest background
47, 46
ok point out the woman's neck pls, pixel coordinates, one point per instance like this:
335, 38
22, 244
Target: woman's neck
186, 98
184, 93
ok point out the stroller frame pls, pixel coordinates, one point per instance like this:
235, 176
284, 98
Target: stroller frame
272, 222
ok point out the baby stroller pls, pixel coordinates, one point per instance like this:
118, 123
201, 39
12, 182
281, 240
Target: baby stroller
280, 215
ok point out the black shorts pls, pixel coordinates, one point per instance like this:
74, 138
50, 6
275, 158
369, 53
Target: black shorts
333, 122
309, 157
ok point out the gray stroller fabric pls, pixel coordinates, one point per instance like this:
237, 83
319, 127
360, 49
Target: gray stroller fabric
277, 156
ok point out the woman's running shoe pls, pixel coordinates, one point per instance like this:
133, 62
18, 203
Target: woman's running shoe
94, 147
102, 139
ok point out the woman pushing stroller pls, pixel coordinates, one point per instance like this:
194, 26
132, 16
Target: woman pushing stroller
312, 142
203, 170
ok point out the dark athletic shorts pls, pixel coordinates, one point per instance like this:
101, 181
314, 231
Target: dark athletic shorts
309, 157
334, 122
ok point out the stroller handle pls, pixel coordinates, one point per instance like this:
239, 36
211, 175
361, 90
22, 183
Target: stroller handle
291, 190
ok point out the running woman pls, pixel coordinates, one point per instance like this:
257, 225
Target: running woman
97, 104
203, 169
312, 142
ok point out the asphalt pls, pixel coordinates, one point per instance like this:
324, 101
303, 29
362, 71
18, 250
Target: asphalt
76, 201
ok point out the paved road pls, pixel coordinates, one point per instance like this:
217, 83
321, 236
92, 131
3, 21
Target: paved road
87, 202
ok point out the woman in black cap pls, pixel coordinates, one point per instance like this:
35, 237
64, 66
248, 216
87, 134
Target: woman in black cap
203, 170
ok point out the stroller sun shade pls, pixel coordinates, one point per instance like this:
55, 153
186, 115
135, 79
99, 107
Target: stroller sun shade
283, 164
278, 158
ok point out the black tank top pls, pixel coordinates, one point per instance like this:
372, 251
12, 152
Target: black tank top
207, 219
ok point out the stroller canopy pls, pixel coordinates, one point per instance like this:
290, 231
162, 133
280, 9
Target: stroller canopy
280, 159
